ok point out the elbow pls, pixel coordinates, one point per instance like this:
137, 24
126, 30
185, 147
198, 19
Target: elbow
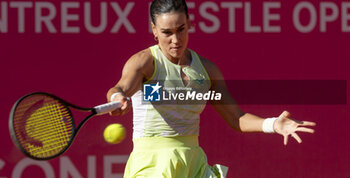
237, 128
236, 122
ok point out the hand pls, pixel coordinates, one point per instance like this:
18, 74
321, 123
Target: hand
126, 105
286, 126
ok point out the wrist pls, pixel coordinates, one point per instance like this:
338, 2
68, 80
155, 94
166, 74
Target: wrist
114, 95
268, 125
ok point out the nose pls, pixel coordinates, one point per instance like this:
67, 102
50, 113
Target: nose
175, 38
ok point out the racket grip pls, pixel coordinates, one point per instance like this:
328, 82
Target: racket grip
106, 108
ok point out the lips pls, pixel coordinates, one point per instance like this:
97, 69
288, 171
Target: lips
175, 48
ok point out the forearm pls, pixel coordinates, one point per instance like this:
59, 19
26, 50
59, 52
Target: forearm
250, 123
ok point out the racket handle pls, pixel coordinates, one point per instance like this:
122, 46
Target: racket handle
108, 107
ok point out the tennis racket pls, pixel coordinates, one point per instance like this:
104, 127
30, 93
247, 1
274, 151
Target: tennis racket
42, 125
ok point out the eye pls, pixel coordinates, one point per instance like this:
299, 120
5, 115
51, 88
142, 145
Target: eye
166, 32
181, 29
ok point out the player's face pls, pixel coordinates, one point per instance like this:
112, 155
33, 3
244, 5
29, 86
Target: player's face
171, 29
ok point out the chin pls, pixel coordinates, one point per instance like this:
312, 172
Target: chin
177, 54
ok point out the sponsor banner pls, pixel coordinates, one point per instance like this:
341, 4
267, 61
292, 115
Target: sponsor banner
112, 17
274, 56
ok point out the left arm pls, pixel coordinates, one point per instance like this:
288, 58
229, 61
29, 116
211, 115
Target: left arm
246, 122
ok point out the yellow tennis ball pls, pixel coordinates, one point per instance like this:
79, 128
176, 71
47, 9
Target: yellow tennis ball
114, 133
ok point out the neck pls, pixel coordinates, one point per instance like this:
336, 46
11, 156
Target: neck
183, 60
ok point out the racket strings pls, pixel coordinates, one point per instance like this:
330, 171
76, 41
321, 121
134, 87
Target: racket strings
47, 135
43, 126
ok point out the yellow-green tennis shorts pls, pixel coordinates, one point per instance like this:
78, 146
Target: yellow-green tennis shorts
174, 157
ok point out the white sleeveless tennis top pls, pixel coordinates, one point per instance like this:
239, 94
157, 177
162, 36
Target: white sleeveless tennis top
152, 119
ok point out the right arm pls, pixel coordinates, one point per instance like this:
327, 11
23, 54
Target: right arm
138, 68
246, 122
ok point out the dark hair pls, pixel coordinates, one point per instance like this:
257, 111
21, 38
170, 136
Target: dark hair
165, 6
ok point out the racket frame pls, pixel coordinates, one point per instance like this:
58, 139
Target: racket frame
64, 103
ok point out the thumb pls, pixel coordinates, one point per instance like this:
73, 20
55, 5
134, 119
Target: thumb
284, 114
125, 103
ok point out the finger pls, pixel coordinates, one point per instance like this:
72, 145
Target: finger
122, 113
116, 112
126, 107
124, 101
294, 135
284, 114
298, 122
304, 129
308, 123
125, 104
125, 111
285, 141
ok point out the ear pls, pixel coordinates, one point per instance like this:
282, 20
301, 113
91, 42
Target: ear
154, 30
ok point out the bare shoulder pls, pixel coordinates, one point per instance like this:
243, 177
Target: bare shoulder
141, 62
142, 58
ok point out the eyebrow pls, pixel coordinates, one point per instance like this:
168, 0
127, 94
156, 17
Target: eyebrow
166, 29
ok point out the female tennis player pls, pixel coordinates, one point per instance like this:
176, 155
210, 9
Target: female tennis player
165, 136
